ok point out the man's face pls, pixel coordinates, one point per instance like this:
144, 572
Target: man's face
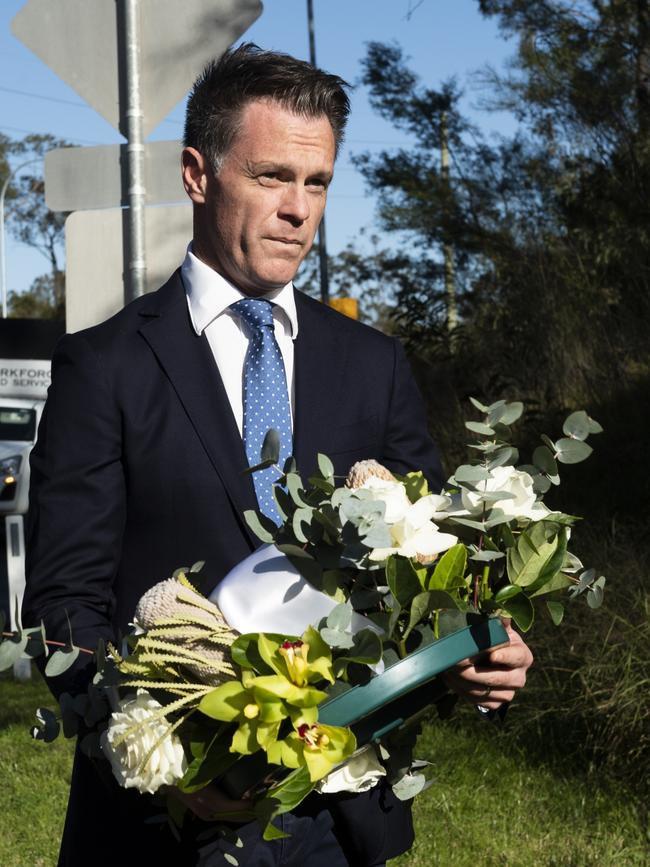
261, 212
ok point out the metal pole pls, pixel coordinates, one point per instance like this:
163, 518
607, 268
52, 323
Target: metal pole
322, 243
3, 259
135, 284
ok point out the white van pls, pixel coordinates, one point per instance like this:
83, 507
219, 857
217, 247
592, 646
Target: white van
19, 418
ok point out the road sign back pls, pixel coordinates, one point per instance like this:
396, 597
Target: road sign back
79, 40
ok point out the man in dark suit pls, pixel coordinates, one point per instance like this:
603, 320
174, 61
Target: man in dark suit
139, 463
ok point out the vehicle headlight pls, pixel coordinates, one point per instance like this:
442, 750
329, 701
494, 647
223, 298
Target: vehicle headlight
9, 468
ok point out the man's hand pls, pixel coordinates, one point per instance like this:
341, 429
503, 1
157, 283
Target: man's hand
210, 803
493, 677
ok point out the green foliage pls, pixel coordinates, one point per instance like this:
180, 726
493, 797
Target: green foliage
547, 229
527, 823
32, 223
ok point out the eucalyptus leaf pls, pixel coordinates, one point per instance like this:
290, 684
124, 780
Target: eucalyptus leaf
572, 451
301, 522
596, 592
409, 786
325, 466
294, 486
487, 556
271, 446
577, 425
508, 414
294, 551
471, 473
11, 651
506, 455
544, 460
283, 501
49, 725
290, 465
336, 638
263, 465
340, 617
263, 527
378, 536
479, 428
479, 406
548, 442
495, 496
542, 484
60, 661
468, 522
365, 649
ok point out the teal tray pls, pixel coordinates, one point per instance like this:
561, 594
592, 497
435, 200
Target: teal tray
385, 703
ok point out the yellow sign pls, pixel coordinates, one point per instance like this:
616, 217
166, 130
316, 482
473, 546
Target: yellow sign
348, 306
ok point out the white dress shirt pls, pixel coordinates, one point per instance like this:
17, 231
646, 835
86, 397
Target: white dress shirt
209, 296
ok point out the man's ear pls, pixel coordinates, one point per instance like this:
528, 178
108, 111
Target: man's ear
194, 171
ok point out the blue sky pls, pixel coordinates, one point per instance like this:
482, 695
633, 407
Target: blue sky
442, 37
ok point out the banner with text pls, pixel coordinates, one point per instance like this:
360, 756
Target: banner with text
24, 378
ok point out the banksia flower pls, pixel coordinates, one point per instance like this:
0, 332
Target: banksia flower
364, 470
181, 623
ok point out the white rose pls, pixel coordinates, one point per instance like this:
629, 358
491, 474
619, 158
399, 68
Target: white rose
523, 502
361, 772
416, 534
136, 715
392, 494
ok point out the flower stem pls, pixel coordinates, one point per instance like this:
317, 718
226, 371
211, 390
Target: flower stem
51, 643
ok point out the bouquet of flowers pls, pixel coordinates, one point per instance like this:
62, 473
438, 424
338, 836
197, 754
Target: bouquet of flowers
369, 577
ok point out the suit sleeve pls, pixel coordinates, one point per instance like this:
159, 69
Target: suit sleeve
77, 508
407, 444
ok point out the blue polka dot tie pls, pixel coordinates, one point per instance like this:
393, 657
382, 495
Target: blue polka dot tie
266, 399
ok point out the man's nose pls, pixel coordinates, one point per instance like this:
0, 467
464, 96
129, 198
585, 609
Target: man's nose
295, 204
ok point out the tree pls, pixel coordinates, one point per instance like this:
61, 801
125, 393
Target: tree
31, 222
543, 286
43, 300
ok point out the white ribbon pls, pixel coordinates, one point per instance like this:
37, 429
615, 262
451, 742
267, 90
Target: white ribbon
266, 593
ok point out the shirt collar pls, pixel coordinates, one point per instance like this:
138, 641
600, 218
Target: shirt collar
209, 295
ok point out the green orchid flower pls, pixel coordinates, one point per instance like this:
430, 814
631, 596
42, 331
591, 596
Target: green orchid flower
315, 746
302, 661
258, 705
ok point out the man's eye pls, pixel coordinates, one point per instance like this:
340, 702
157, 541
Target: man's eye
269, 178
317, 185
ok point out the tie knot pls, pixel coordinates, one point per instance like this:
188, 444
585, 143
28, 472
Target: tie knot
256, 312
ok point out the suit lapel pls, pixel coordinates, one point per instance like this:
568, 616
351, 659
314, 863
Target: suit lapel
319, 365
188, 362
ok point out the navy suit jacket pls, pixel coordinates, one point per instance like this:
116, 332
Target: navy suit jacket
138, 470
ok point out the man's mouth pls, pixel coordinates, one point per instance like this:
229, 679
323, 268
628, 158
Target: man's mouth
290, 241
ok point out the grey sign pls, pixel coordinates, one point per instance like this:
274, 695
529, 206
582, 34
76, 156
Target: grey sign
79, 179
95, 258
78, 39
